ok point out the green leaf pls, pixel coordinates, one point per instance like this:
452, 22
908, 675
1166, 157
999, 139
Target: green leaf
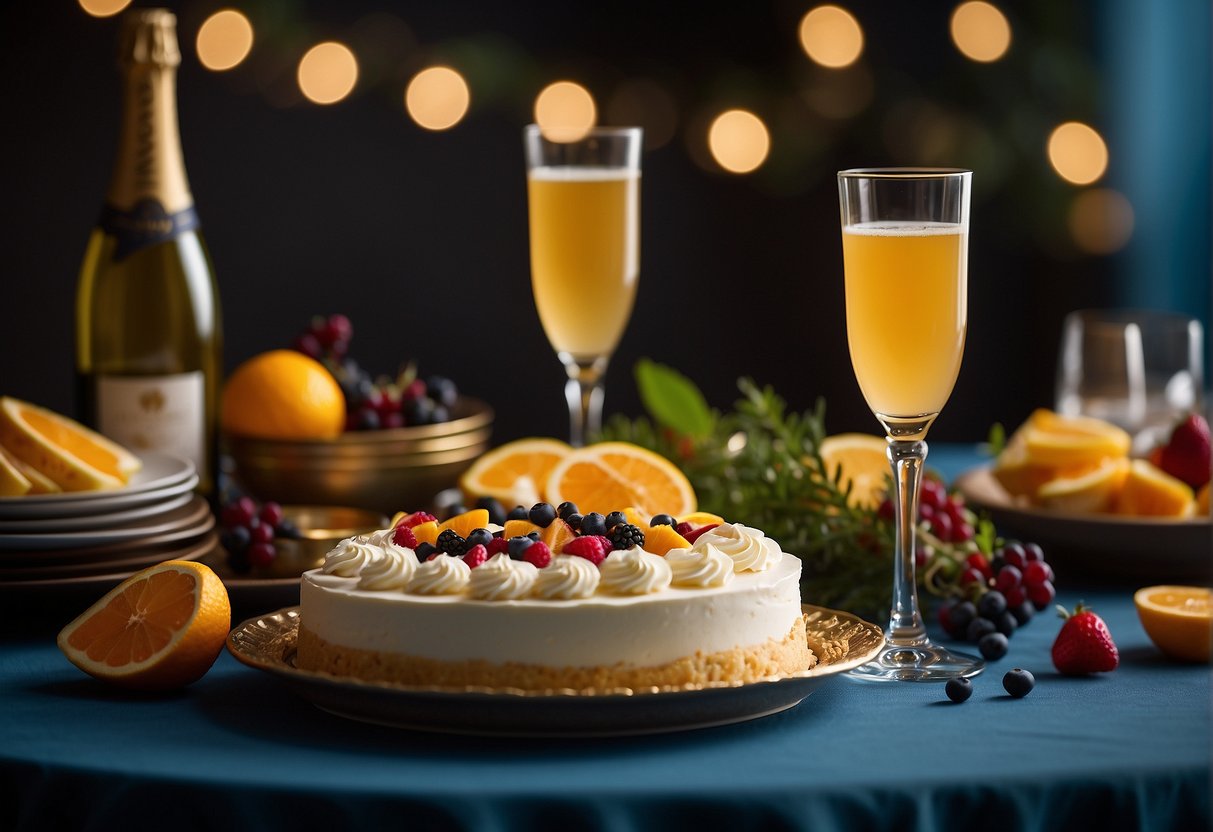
672, 399
996, 440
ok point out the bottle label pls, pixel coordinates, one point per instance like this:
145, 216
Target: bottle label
155, 413
145, 224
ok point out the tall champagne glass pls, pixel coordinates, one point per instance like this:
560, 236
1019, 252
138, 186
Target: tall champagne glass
905, 241
584, 200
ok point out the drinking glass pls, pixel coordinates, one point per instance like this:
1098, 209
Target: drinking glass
584, 204
1139, 369
905, 241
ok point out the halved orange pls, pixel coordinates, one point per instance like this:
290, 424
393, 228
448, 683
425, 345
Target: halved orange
66, 452
611, 475
864, 461
160, 629
516, 472
1178, 619
1151, 492
1091, 492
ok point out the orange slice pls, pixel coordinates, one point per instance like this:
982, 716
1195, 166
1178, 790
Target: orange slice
608, 475
160, 629
864, 463
701, 518
1069, 442
64, 451
1152, 492
514, 473
1178, 619
663, 538
464, 524
556, 535
283, 394
13, 482
1091, 492
519, 528
426, 532
39, 482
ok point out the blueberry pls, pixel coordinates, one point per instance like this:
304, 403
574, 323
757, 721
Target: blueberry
237, 539
1024, 612
1019, 682
993, 646
424, 550
439, 414
288, 530
518, 545
518, 513
442, 390
979, 627
997, 564
419, 412
593, 523
542, 514
565, 509
615, 518
495, 509
366, 419
958, 689
451, 511
534, 536
480, 537
574, 521
961, 617
662, 520
992, 605
1006, 623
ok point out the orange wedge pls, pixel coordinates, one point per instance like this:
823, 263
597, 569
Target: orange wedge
160, 629
1151, 492
864, 462
64, 451
1178, 619
13, 483
464, 524
1091, 492
1069, 442
608, 475
514, 473
663, 538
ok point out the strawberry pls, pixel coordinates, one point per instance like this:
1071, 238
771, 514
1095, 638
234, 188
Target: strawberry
1186, 455
1084, 644
692, 536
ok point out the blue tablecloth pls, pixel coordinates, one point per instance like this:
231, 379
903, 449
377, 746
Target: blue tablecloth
1126, 750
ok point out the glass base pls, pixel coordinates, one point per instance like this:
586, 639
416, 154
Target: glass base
924, 662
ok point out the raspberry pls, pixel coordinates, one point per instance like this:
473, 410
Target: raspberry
537, 554
684, 528
625, 536
417, 518
691, 537
498, 545
403, 536
476, 556
589, 547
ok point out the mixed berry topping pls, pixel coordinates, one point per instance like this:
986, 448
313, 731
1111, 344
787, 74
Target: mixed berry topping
249, 531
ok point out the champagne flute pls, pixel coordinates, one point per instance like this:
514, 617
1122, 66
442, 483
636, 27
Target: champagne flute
905, 240
584, 200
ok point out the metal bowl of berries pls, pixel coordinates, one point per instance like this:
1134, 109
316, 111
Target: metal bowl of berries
380, 470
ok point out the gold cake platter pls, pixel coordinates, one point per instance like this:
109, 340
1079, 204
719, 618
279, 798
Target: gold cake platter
267, 643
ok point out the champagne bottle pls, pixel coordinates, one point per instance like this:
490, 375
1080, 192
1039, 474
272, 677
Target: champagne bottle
148, 338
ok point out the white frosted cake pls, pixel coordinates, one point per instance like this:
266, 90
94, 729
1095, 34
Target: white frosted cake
724, 609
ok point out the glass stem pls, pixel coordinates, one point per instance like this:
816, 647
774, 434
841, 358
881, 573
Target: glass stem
905, 622
584, 393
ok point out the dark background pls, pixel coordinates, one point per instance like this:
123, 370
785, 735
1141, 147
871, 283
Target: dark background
421, 237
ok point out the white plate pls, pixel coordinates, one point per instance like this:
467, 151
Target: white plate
193, 512
104, 520
162, 475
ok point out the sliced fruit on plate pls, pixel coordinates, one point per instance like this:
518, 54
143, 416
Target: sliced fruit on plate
160, 629
64, 451
1151, 492
1094, 491
39, 482
13, 483
864, 463
1178, 619
605, 476
1069, 442
516, 472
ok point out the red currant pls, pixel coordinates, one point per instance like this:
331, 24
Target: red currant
963, 533
1033, 552
261, 554
972, 576
271, 513
1013, 553
978, 561
1042, 594
1007, 579
1037, 572
941, 525
262, 533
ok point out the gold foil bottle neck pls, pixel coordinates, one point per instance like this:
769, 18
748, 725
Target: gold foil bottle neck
149, 37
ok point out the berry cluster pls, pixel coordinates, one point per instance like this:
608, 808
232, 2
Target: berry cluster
943, 515
371, 402
999, 596
249, 532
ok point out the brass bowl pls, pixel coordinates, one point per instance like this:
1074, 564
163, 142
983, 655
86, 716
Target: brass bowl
382, 470
320, 528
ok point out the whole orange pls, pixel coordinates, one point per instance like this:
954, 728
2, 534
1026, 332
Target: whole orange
283, 394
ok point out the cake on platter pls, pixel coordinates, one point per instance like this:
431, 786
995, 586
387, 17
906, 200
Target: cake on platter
537, 604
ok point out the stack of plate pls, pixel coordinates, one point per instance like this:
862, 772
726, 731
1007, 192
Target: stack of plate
94, 539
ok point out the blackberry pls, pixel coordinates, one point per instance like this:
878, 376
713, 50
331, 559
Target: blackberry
625, 536
451, 543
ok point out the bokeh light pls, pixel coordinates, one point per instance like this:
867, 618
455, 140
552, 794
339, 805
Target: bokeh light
328, 72
224, 40
1078, 153
646, 103
565, 111
739, 141
1101, 220
831, 36
104, 8
437, 98
980, 31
